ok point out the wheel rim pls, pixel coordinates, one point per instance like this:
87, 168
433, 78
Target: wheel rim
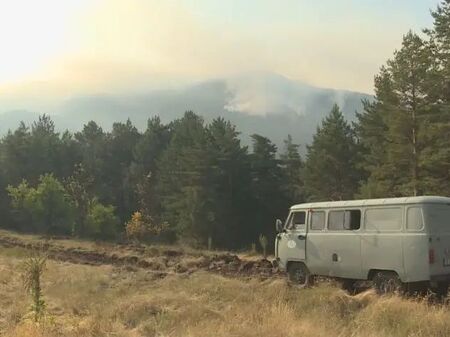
386, 285
391, 286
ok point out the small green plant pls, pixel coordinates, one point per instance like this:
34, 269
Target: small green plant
210, 243
101, 221
263, 242
253, 249
33, 269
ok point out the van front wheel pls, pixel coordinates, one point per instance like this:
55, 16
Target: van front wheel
349, 285
387, 282
299, 275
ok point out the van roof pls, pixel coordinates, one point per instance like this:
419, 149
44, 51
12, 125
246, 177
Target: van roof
375, 202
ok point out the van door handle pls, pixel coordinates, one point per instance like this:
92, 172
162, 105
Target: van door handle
301, 237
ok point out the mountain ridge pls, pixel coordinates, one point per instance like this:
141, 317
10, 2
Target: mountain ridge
253, 102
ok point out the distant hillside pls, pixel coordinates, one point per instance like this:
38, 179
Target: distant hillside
264, 103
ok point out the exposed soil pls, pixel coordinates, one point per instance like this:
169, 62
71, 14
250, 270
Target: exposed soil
161, 261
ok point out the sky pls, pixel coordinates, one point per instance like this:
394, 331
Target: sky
59, 48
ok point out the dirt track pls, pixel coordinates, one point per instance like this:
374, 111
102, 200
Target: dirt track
161, 261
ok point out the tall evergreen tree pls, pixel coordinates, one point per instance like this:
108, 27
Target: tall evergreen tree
15, 160
436, 155
121, 143
396, 131
69, 155
269, 201
231, 183
371, 129
292, 166
144, 172
185, 180
93, 143
439, 45
330, 170
44, 148
409, 71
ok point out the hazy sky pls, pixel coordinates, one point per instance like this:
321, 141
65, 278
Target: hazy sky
58, 48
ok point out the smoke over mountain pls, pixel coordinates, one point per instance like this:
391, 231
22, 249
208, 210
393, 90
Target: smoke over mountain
264, 103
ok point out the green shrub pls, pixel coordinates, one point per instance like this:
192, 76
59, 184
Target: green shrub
46, 208
102, 222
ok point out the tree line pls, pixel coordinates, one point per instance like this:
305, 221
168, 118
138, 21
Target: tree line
196, 182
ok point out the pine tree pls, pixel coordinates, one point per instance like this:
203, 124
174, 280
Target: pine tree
330, 170
144, 172
185, 180
440, 47
93, 144
393, 131
15, 160
269, 201
231, 183
436, 155
409, 71
292, 166
44, 148
121, 143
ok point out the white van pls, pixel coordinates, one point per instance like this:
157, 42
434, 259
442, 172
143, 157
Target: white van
396, 242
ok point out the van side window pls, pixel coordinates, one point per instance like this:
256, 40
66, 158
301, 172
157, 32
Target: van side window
383, 219
414, 219
317, 220
353, 217
344, 220
298, 220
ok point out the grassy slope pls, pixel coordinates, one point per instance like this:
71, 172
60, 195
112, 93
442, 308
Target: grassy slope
87, 300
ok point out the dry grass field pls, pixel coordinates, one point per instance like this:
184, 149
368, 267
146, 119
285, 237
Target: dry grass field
123, 300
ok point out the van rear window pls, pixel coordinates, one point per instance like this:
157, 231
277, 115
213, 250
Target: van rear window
414, 219
438, 218
383, 219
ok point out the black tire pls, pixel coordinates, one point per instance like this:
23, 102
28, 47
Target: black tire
299, 275
349, 285
416, 289
440, 291
387, 282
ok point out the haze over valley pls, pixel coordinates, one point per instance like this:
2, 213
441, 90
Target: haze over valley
255, 102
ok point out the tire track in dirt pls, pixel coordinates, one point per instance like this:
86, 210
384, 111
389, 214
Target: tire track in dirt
160, 261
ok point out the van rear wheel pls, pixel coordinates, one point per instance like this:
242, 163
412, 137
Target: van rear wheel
387, 282
441, 290
299, 275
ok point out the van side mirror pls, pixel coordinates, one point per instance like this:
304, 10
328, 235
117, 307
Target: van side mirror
279, 226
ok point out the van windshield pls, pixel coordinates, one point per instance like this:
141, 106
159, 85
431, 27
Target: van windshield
296, 220
437, 218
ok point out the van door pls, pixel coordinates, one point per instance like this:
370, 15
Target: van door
292, 243
437, 221
342, 242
